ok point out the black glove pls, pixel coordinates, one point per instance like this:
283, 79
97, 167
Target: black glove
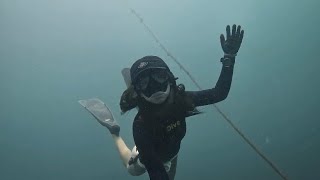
231, 45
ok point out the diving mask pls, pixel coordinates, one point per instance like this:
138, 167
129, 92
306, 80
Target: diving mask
152, 81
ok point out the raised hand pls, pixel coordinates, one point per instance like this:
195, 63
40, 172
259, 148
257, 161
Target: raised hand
232, 43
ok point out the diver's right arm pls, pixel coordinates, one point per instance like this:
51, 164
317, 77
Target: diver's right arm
230, 46
143, 140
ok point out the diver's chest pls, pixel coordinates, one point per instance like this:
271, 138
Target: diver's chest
169, 132
170, 121
171, 125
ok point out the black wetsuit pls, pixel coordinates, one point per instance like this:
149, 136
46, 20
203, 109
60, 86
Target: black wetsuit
159, 141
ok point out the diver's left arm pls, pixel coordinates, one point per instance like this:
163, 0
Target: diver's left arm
230, 46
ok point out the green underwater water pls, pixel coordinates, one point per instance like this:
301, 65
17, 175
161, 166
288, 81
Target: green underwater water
53, 53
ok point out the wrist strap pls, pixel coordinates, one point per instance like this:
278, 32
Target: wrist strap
227, 61
230, 55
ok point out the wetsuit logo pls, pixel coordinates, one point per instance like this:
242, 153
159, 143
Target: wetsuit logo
173, 126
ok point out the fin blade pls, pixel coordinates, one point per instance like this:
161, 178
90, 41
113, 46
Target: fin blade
97, 108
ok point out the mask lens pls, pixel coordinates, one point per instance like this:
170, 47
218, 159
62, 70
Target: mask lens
153, 81
143, 82
160, 76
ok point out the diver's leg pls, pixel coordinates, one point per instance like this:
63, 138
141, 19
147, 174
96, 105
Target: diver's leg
124, 151
104, 116
173, 168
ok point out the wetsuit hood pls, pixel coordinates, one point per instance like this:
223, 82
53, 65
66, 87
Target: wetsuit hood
145, 63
